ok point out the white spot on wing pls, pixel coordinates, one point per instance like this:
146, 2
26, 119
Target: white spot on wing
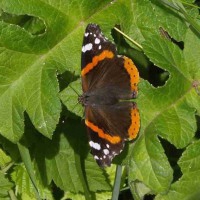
106, 151
97, 41
87, 47
86, 34
96, 157
99, 47
107, 145
95, 145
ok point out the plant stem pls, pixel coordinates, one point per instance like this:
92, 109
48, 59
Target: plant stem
116, 189
26, 158
126, 36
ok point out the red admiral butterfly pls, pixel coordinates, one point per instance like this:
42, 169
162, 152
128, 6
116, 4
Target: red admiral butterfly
108, 81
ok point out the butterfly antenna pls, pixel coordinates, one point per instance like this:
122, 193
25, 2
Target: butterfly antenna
71, 86
78, 94
74, 90
127, 37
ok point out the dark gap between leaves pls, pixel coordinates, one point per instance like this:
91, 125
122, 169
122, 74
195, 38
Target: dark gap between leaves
197, 3
179, 44
197, 135
31, 134
149, 197
125, 195
157, 76
147, 70
32, 24
10, 148
57, 192
173, 154
78, 140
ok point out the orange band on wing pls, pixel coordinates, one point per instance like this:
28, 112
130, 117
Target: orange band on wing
104, 54
101, 134
135, 123
133, 72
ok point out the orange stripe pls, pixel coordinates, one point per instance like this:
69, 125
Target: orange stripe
95, 60
133, 72
135, 124
101, 134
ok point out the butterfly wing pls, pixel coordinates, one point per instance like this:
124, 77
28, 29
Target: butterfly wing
101, 67
108, 127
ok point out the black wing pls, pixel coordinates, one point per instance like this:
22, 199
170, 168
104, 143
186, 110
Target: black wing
109, 127
102, 67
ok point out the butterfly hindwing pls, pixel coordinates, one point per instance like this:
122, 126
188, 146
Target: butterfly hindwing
108, 127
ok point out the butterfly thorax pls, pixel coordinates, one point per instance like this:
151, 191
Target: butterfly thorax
96, 98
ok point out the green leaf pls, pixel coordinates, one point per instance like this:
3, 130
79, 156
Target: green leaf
25, 155
69, 97
95, 176
74, 196
110, 172
5, 186
98, 196
191, 53
25, 187
165, 111
187, 187
4, 159
57, 160
27, 76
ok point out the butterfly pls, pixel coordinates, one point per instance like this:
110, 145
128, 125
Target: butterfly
109, 81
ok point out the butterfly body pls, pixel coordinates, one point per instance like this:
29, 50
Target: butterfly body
109, 81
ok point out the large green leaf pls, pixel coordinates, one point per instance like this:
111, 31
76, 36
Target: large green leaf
57, 160
165, 111
24, 185
187, 187
40, 54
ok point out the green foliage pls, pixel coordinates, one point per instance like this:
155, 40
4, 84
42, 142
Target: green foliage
5, 186
24, 186
43, 142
